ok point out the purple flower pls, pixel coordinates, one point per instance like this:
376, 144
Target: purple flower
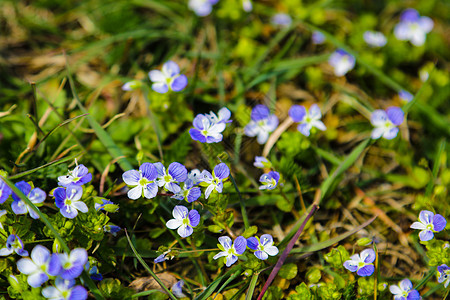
405, 96
215, 181
342, 62
184, 220
202, 8
168, 77
160, 258
269, 180
109, 205
307, 119
386, 122
444, 275
113, 229
262, 162
361, 263
429, 223
95, 274
231, 251
262, 123
374, 38
68, 200
35, 195
5, 191
72, 264
175, 173
142, 181
317, 37
223, 116
404, 291
78, 176
282, 20
41, 265
177, 289
13, 244
65, 290
412, 27
206, 131
263, 246
189, 192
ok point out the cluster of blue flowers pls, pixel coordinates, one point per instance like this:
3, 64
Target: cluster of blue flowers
263, 248
208, 128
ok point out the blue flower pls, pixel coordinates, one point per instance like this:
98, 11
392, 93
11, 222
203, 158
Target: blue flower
374, 38
68, 200
65, 290
307, 119
231, 251
35, 195
215, 181
261, 124
206, 131
177, 289
269, 180
184, 220
361, 263
168, 77
78, 176
105, 202
160, 258
405, 96
175, 173
142, 181
385, 122
113, 229
317, 37
189, 192
404, 291
342, 62
202, 8
223, 116
72, 264
412, 27
5, 191
41, 265
13, 244
263, 246
281, 19
444, 275
262, 162
429, 223
93, 272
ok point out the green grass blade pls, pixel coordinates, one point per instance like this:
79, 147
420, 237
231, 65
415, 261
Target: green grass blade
326, 186
230, 279
337, 239
52, 163
149, 270
251, 288
92, 287
437, 164
102, 135
242, 203
212, 287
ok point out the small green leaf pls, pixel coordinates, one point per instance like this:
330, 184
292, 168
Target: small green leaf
288, 271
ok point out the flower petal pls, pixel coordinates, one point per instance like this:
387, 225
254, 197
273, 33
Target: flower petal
439, 222
260, 112
405, 285
271, 250
395, 114
150, 190
297, 112
394, 289
130, 177
194, 194
161, 88
78, 293
135, 193
26, 266
231, 260
368, 256
304, 128
81, 206
426, 217
194, 218
178, 171
185, 231
40, 255
252, 243
179, 83
170, 69
79, 256
37, 279
426, 235
266, 240
180, 212
378, 118
367, 270
226, 242
148, 171
196, 135
221, 171
261, 255
240, 244
391, 133
418, 225
351, 265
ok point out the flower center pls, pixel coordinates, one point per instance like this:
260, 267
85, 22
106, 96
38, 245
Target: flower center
167, 178
430, 227
361, 264
215, 181
143, 181
186, 222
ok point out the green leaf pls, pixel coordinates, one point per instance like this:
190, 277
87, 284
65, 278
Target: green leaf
288, 271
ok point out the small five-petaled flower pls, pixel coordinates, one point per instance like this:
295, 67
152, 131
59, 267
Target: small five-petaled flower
342, 62
262, 123
361, 263
444, 275
412, 27
429, 223
231, 251
263, 246
169, 77
184, 220
386, 122
269, 180
404, 291
307, 118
